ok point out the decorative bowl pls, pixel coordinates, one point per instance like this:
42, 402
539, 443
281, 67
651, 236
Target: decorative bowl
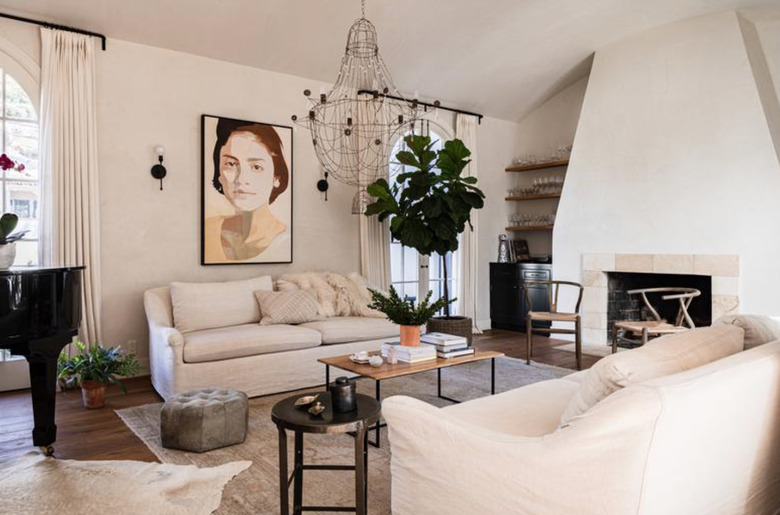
306, 400
375, 361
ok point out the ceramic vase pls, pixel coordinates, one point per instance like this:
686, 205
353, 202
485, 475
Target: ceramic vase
410, 335
93, 394
7, 255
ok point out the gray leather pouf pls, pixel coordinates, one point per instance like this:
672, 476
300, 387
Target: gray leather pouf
202, 420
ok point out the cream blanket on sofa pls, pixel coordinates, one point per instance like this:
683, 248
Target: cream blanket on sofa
337, 295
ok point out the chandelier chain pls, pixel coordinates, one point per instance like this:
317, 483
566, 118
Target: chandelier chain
363, 7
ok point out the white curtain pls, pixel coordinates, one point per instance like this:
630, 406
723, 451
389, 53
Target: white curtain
375, 252
466, 131
374, 236
70, 225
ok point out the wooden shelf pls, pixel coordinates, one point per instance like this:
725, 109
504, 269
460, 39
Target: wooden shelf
533, 197
538, 166
530, 228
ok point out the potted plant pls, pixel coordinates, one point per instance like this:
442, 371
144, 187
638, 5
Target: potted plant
429, 207
94, 368
8, 222
404, 312
8, 239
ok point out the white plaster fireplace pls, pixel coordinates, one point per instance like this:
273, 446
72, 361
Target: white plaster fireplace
724, 271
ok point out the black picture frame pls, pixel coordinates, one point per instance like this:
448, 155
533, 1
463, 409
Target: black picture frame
205, 182
520, 251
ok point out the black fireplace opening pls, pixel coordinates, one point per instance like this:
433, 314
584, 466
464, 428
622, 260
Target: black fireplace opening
622, 306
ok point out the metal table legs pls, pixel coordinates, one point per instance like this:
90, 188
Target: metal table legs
492, 382
379, 425
296, 478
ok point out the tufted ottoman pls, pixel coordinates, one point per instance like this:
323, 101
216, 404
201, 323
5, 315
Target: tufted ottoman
202, 420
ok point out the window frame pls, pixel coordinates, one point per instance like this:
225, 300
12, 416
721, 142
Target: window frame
26, 72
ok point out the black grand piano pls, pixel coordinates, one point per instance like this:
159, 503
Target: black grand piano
40, 313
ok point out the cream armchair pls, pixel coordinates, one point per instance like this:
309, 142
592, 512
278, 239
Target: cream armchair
702, 441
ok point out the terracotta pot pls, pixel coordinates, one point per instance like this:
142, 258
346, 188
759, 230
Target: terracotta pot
93, 394
410, 335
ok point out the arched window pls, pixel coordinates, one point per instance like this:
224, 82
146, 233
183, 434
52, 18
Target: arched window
19, 138
19, 191
414, 275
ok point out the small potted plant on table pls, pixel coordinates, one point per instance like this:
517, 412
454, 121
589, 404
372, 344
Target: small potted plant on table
402, 311
95, 368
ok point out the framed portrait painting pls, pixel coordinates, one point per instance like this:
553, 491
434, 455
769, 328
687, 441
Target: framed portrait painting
246, 192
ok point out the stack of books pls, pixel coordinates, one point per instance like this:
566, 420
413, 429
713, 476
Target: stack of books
447, 345
409, 354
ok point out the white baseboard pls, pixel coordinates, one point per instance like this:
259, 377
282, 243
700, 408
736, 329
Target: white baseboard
483, 325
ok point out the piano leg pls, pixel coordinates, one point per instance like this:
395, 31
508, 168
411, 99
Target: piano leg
43, 383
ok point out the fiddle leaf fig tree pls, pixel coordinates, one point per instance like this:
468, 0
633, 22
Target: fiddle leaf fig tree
429, 206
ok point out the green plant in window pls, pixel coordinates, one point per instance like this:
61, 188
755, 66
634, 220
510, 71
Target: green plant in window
428, 210
7, 225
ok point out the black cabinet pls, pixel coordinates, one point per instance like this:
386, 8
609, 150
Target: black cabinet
507, 299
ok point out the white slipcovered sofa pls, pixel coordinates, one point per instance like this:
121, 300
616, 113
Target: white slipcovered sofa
213, 338
702, 441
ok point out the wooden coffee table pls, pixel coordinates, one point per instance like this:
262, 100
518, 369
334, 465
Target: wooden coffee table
388, 371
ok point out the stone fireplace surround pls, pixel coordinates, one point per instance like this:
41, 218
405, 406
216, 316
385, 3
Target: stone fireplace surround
724, 270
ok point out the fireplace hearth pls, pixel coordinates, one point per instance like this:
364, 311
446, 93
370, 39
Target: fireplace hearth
716, 275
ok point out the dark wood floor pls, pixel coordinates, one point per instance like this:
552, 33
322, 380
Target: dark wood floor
101, 435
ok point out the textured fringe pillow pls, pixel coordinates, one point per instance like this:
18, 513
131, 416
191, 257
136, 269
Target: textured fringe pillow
337, 295
287, 307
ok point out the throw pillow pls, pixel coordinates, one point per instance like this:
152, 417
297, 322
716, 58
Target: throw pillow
660, 357
759, 329
287, 307
198, 306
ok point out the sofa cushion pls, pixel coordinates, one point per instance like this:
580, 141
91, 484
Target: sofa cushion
533, 410
353, 329
287, 307
759, 329
198, 306
660, 357
246, 340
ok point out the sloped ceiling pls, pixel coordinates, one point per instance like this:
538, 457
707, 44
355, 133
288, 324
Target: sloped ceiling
499, 57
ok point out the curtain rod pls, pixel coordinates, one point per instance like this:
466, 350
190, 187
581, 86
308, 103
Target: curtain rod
420, 102
57, 27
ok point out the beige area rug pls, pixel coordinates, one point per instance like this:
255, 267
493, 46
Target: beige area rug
257, 490
34, 484
590, 350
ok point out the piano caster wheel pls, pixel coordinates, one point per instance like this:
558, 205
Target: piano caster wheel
47, 451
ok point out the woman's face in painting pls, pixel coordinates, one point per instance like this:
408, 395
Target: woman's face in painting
246, 171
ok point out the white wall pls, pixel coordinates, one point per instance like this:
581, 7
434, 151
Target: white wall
540, 133
673, 155
149, 96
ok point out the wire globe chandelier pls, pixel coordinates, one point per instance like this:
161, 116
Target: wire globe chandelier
354, 124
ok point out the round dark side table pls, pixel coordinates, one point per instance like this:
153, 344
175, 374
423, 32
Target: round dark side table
287, 416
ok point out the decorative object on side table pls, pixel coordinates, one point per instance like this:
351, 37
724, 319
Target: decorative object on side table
436, 189
287, 417
342, 394
406, 314
521, 252
203, 420
94, 368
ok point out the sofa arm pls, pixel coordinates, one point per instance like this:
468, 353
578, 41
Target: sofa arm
440, 464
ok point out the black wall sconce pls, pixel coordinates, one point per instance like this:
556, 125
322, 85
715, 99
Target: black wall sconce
158, 170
